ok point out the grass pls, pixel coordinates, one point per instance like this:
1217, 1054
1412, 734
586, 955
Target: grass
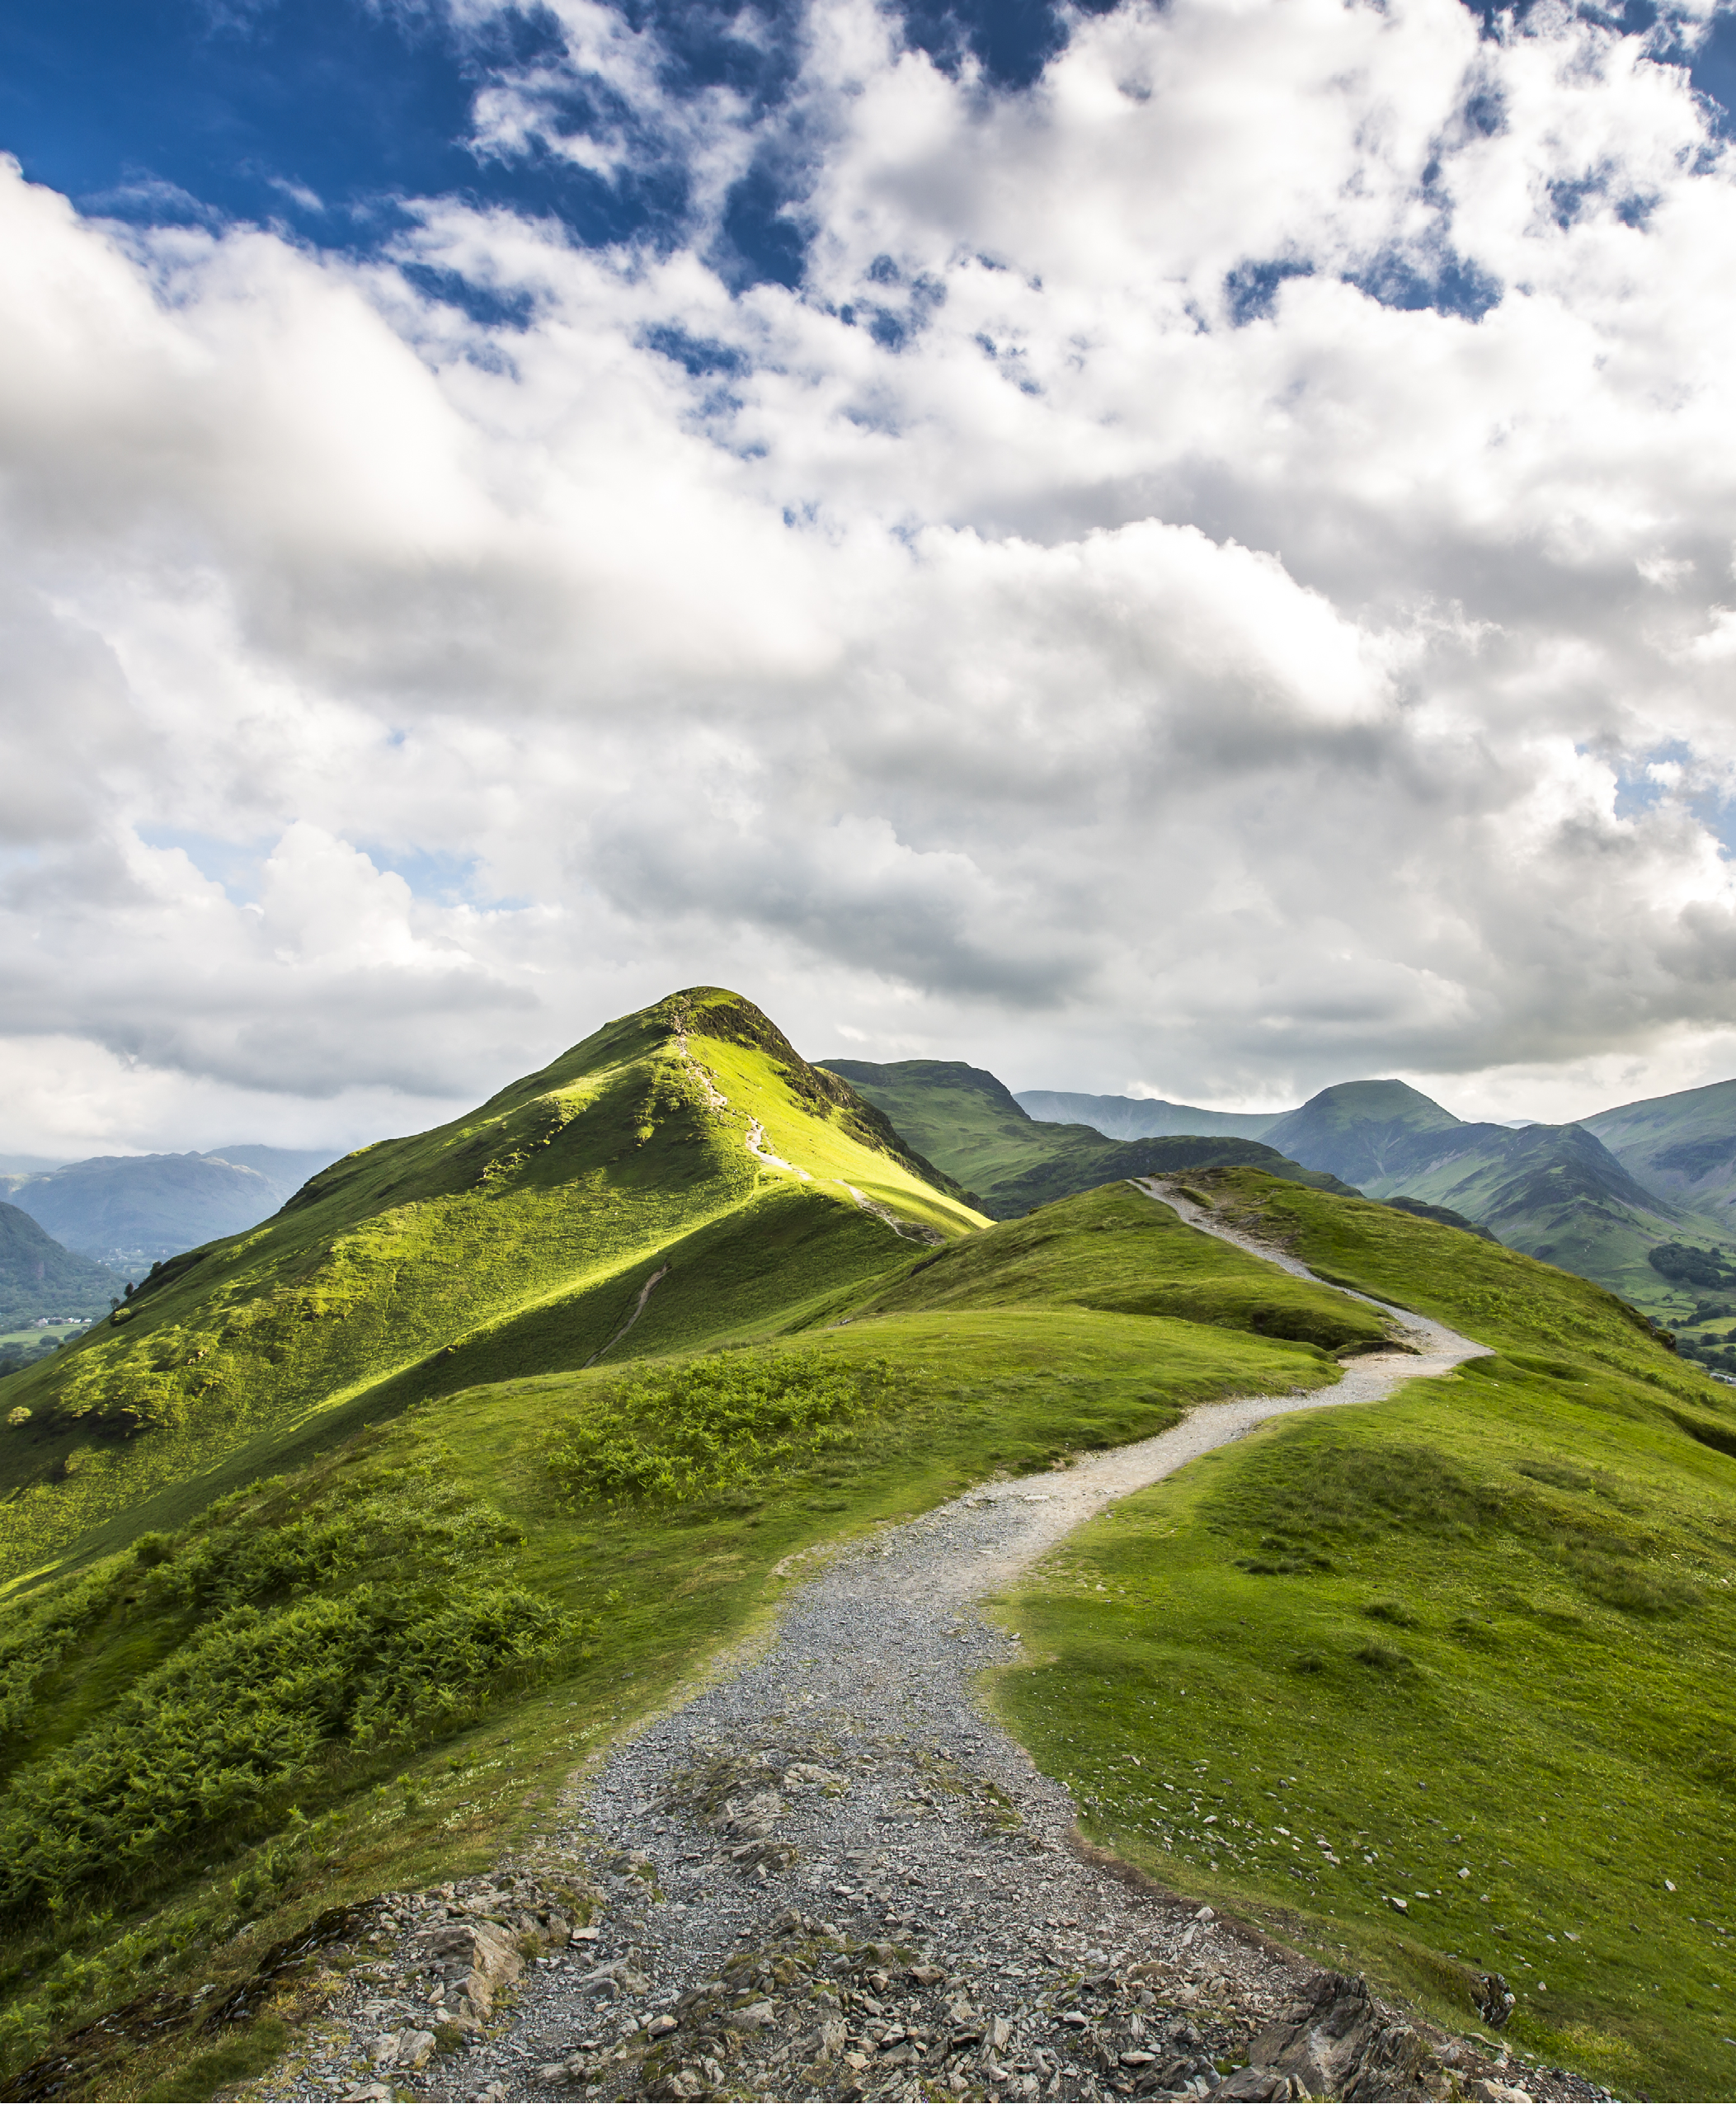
515, 1241
620, 1581
972, 1126
1488, 1621
1151, 1264
1487, 1626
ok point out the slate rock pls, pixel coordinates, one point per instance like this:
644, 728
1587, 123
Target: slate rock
1340, 2042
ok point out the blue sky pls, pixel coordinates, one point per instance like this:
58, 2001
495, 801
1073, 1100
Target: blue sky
320, 115
1179, 550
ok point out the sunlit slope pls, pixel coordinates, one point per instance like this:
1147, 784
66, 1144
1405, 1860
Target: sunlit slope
1471, 1651
688, 1144
1115, 1250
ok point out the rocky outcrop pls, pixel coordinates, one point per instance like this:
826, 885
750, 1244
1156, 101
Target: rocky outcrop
1336, 2041
472, 1958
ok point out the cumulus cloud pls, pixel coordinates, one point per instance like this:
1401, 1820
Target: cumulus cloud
1217, 579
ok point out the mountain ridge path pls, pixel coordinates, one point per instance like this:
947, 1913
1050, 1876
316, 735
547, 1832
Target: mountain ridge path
825, 1873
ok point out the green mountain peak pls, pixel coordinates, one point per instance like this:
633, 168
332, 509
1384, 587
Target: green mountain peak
680, 1173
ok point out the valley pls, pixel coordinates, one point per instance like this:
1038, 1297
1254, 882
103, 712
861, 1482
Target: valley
384, 1538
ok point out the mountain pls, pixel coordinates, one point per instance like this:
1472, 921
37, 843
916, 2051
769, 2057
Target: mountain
1555, 1191
1378, 1127
39, 1278
1682, 1147
972, 1125
680, 1173
336, 1553
130, 1211
1141, 1117
286, 1168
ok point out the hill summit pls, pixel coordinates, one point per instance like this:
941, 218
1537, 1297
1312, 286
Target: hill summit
681, 1173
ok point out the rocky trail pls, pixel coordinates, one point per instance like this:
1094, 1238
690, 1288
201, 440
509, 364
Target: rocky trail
826, 1874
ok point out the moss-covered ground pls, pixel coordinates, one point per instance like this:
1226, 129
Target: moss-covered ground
1471, 1651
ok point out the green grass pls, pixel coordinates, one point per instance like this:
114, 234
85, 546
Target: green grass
972, 1126
1149, 1264
1490, 1625
515, 1240
1507, 1587
587, 1581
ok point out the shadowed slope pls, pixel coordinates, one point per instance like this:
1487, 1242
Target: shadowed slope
1555, 1191
971, 1123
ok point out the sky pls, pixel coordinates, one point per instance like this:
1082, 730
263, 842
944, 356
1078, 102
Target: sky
1183, 550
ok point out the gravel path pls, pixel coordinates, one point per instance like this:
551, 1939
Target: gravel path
827, 1874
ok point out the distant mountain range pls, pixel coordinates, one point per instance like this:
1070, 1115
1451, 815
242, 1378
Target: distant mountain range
1142, 1117
1628, 1197
970, 1125
128, 1212
1641, 1198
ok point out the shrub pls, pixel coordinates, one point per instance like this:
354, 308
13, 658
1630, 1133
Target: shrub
713, 1426
377, 1607
206, 1739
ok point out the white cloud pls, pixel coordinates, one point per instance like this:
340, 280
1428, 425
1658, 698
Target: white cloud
1083, 629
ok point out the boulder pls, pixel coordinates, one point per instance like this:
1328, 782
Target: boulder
828, 2041
415, 2048
475, 1958
1339, 2041
1254, 2085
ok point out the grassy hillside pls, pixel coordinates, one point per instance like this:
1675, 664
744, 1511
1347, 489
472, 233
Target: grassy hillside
566, 1546
38, 1277
1141, 1117
688, 1145
964, 1119
1155, 1266
1471, 1651
1386, 1618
